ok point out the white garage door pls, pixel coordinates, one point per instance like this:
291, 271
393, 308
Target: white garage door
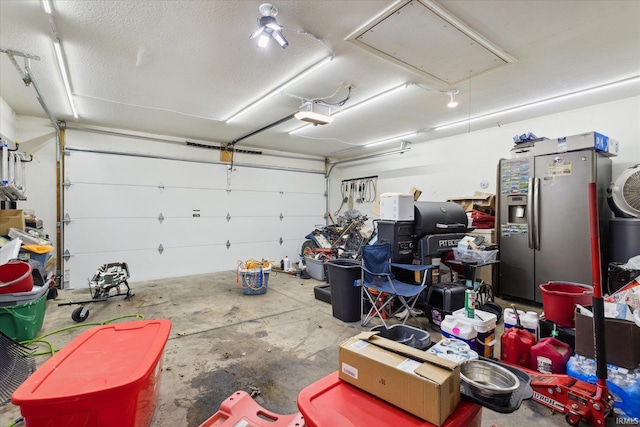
170, 218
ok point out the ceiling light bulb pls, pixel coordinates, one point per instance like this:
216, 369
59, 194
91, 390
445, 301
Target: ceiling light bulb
263, 40
452, 102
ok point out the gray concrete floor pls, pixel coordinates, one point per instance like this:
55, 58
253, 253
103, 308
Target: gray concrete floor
222, 341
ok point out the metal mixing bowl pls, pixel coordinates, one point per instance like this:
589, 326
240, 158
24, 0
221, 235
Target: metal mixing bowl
489, 380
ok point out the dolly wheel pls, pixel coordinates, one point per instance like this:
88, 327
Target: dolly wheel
77, 315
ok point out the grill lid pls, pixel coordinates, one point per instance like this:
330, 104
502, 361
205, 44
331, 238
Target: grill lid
439, 218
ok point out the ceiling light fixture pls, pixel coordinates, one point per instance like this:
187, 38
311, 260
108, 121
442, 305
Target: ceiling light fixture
280, 88
541, 102
315, 113
452, 101
361, 104
65, 76
394, 138
47, 6
269, 27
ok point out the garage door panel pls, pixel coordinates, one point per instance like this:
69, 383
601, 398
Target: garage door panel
254, 202
178, 232
181, 202
106, 200
303, 204
112, 169
106, 235
193, 175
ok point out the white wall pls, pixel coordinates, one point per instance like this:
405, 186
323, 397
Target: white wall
38, 137
7, 121
456, 166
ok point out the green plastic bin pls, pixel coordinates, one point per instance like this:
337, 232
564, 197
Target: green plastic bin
23, 322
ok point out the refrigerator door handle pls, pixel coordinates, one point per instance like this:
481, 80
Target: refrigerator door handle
536, 213
530, 224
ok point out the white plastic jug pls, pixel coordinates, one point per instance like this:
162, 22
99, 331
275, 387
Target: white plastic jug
510, 317
454, 328
531, 322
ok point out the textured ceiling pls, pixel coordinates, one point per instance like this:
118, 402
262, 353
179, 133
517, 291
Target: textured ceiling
182, 68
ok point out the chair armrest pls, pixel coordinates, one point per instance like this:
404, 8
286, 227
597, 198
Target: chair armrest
411, 267
373, 273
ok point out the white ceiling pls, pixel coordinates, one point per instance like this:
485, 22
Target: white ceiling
181, 68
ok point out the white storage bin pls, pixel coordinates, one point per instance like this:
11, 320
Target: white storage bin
396, 207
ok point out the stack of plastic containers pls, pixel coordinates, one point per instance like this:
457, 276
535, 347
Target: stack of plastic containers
478, 332
624, 384
22, 305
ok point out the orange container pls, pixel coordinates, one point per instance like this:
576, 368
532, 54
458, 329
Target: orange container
15, 276
108, 376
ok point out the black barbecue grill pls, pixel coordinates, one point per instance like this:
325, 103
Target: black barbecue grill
437, 227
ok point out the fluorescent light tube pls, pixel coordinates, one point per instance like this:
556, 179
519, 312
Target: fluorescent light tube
46, 4
541, 102
65, 76
395, 138
280, 88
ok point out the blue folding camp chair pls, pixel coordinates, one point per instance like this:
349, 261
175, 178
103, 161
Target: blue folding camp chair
378, 282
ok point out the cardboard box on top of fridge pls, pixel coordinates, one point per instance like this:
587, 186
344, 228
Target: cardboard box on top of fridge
602, 144
423, 384
484, 201
397, 206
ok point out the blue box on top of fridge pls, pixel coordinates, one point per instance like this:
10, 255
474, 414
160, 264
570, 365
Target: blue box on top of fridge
602, 144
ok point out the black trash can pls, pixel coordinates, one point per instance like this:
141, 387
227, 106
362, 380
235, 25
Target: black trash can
345, 296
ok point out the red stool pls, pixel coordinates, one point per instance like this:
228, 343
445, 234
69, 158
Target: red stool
333, 402
240, 406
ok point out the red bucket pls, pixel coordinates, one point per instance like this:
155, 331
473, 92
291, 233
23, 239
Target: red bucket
15, 276
559, 301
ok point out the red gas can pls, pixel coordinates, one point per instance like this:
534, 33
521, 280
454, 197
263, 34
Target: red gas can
515, 346
550, 356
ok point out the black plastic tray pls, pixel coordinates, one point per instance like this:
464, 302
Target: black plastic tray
523, 392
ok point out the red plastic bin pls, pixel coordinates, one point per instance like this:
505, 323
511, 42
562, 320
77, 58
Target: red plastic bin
559, 301
107, 376
240, 409
333, 402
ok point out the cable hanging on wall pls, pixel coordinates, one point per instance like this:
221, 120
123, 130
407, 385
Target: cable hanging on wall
358, 190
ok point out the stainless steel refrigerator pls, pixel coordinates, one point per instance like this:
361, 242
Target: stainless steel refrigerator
543, 218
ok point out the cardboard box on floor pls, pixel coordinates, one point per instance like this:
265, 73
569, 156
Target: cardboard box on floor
420, 383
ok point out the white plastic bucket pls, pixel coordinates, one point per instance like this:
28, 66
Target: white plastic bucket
452, 327
484, 324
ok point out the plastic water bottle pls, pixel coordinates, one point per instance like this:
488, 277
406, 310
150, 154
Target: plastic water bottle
287, 264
